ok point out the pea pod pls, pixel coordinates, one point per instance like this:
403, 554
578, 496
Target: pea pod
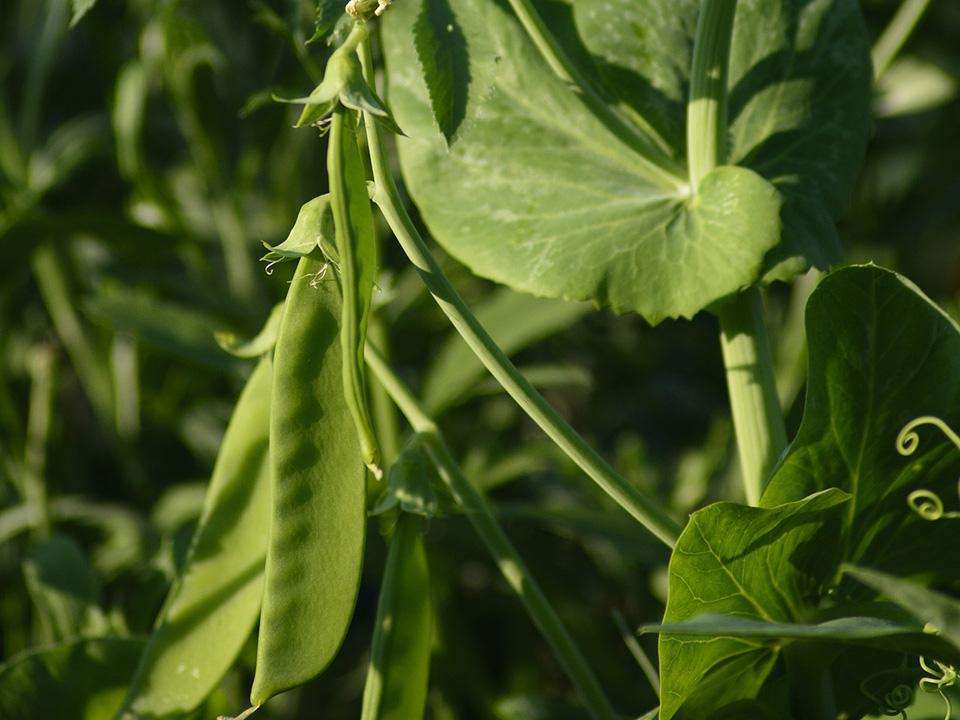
213, 609
318, 518
357, 250
399, 670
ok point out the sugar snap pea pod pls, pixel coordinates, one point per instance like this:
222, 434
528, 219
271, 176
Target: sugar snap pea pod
213, 608
399, 670
318, 516
357, 249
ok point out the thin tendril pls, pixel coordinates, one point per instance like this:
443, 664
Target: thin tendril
926, 503
895, 701
943, 676
929, 506
908, 440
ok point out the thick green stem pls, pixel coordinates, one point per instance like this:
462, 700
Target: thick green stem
707, 108
650, 147
508, 560
896, 34
646, 510
757, 419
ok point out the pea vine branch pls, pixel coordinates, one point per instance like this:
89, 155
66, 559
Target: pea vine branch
387, 196
508, 560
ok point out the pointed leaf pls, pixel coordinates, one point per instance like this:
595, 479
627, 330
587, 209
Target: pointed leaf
868, 631
328, 13
928, 606
880, 355
442, 52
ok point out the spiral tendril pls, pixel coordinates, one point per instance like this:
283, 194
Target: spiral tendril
909, 439
893, 702
926, 503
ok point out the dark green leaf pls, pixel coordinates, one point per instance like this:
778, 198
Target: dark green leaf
928, 606
442, 52
328, 13
870, 631
881, 354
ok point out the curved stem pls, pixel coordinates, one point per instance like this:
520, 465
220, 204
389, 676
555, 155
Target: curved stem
651, 148
645, 509
896, 34
508, 560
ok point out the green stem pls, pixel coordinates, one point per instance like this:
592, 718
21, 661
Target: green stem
508, 560
385, 419
896, 34
646, 510
707, 107
651, 148
757, 419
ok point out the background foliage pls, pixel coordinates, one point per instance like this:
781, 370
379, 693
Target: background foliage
142, 163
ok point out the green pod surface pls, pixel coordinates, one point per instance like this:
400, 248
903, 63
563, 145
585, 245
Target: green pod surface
318, 515
399, 672
357, 249
213, 608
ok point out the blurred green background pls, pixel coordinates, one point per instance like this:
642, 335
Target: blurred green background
143, 163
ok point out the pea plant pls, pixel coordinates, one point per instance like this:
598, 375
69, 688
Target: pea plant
665, 159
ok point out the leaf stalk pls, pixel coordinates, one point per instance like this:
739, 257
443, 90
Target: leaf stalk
485, 524
645, 509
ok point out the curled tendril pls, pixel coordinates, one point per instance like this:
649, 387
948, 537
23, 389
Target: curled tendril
895, 701
923, 502
909, 440
941, 676
929, 506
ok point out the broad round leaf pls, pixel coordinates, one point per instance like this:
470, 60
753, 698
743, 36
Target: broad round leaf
536, 193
